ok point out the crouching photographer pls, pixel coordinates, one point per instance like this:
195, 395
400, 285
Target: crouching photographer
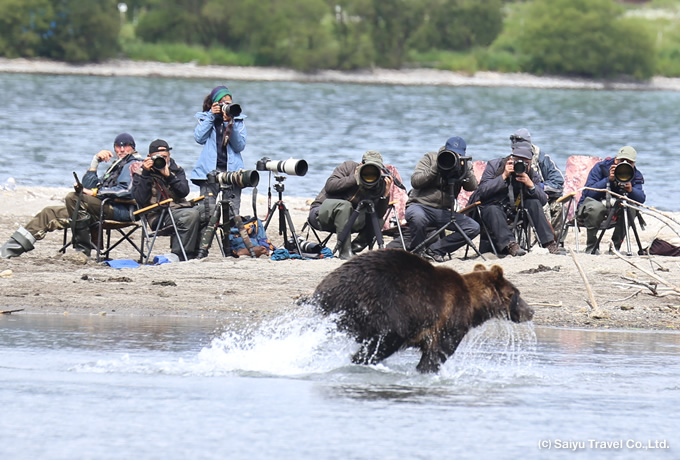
430, 200
161, 178
351, 185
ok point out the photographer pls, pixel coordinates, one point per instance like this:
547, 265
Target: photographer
222, 132
161, 178
503, 181
115, 183
593, 207
349, 184
429, 203
550, 176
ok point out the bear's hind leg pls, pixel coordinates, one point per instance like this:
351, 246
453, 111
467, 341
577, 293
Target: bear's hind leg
376, 349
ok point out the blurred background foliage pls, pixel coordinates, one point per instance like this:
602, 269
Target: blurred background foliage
587, 38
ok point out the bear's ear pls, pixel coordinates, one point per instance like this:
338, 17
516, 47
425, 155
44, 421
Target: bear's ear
497, 272
479, 268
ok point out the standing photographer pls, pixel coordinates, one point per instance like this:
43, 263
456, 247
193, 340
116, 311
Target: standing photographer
592, 207
222, 132
503, 182
430, 201
350, 184
161, 178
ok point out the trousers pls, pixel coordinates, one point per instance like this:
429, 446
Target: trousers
419, 217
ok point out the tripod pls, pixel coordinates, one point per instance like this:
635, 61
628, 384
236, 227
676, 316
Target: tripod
284, 215
620, 207
523, 232
222, 217
452, 182
369, 206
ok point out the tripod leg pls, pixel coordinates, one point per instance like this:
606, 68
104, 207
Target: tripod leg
347, 231
468, 241
607, 221
377, 231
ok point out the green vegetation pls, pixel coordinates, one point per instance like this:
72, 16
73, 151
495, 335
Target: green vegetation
589, 38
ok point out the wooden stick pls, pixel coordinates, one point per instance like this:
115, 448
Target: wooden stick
597, 312
545, 304
653, 275
153, 206
7, 312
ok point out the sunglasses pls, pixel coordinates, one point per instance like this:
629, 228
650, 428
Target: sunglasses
515, 139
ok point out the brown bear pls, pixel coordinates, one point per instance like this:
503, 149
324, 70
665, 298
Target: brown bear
392, 299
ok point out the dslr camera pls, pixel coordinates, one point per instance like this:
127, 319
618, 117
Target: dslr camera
230, 109
291, 167
242, 178
371, 175
624, 172
520, 167
159, 161
452, 165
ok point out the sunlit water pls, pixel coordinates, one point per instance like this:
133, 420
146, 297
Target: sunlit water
176, 388
52, 125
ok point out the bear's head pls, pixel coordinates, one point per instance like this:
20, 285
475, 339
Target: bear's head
493, 296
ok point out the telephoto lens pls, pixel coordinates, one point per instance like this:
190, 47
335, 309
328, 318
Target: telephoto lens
624, 172
159, 161
520, 167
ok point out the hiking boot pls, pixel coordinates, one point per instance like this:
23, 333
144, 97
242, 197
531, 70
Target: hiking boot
432, 256
515, 250
554, 248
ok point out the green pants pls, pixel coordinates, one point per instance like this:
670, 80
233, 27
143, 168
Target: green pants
334, 215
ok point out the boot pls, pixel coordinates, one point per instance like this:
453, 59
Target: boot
346, 250
82, 240
591, 240
22, 241
359, 243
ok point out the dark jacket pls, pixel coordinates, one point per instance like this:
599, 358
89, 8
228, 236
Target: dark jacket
431, 189
342, 185
150, 187
494, 190
599, 178
550, 174
116, 183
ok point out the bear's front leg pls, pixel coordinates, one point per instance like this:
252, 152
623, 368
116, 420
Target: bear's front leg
430, 361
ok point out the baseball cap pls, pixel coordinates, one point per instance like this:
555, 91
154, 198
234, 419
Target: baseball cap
627, 153
523, 150
456, 144
159, 145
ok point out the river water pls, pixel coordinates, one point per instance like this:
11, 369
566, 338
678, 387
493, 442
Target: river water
109, 387
52, 125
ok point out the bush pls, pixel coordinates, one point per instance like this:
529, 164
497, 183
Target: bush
590, 39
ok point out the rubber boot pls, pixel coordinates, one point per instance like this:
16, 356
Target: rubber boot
591, 240
82, 240
346, 250
22, 241
359, 243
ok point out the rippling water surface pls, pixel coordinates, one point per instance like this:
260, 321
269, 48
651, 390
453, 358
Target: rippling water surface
177, 388
52, 125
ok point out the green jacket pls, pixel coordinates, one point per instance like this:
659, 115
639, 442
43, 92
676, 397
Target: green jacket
431, 189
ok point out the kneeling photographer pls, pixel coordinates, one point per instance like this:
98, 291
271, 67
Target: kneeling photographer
161, 178
505, 183
430, 200
350, 184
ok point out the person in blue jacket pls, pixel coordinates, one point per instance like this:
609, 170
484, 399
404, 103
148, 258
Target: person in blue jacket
222, 132
115, 183
594, 206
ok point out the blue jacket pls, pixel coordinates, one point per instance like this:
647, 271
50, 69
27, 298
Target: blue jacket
116, 183
599, 178
551, 176
205, 134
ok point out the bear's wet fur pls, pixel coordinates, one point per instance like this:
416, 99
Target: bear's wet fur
391, 299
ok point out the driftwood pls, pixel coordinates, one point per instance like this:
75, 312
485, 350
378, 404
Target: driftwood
597, 312
545, 304
7, 312
646, 272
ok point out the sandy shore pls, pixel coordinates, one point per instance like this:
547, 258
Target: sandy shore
44, 281
373, 76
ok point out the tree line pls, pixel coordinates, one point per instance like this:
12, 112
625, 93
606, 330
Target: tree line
590, 38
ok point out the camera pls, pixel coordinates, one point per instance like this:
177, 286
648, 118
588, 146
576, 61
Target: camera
369, 175
242, 178
159, 162
624, 173
305, 246
450, 164
230, 109
519, 166
290, 166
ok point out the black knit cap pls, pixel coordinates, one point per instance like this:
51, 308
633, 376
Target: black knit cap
124, 139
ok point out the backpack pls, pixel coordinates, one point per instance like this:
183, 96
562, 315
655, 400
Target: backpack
255, 230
